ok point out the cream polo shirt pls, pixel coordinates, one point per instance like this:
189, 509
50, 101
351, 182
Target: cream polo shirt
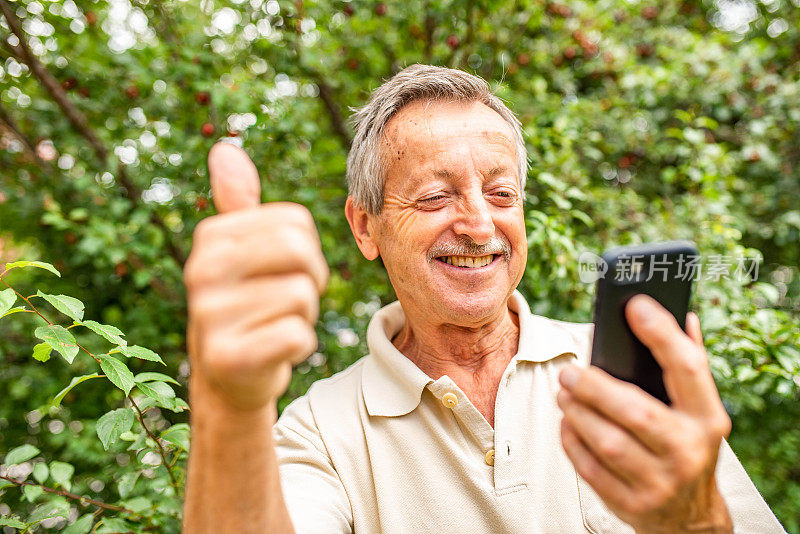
382, 447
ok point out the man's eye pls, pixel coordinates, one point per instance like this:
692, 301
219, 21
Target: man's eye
433, 198
505, 195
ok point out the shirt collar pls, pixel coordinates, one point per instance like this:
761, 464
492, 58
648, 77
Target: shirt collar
392, 384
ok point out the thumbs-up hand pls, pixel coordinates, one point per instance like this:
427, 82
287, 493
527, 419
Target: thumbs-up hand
253, 282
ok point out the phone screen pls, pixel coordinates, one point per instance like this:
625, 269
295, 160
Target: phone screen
663, 271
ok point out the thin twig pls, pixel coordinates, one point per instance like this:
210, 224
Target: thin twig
161, 451
63, 493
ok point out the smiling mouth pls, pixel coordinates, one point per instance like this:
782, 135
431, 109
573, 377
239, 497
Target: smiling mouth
468, 262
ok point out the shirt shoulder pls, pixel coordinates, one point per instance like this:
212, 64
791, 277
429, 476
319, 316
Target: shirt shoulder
336, 398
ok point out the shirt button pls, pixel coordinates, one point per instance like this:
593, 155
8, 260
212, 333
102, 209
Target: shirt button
450, 400
489, 457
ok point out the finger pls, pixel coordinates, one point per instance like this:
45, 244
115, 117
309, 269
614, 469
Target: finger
259, 252
693, 328
234, 179
287, 339
617, 449
687, 375
266, 298
609, 487
625, 404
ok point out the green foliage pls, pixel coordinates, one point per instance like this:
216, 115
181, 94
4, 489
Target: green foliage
643, 121
160, 457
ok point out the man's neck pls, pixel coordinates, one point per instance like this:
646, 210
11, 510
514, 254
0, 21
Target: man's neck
474, 358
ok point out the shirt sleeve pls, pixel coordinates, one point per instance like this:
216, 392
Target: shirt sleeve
749, 512
312, 490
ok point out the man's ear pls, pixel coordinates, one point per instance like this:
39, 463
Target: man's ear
358, 219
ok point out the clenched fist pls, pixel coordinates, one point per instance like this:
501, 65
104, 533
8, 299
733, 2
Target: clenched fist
253, 282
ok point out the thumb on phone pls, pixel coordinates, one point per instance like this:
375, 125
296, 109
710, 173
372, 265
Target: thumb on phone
234, 179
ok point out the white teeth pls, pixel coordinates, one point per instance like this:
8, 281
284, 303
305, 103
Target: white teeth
468, 261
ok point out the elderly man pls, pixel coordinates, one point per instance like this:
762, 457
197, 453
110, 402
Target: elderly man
469, 414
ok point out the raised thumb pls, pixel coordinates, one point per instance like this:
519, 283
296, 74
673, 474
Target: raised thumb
234, 178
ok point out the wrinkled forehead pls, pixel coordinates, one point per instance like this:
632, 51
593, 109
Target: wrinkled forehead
426, 129
435, 119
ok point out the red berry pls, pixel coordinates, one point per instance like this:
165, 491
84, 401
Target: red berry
231, 133
91, 18
649, 12
202, 98
132, 92
69, 83
380, 9
352, 63
70, 238
349, 10
84, 92
453, 42
570, 52
201, 203
121, 269
207, 129
523, 58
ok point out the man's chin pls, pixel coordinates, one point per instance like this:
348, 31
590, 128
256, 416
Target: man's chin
469, 308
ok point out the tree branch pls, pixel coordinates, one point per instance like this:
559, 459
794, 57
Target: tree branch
8, 121
334, 113
51, 85
78, 120
63, 493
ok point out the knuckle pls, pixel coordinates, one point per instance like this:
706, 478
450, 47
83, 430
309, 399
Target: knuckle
611, 448
644, 419
298, 337
691, 364
295, 244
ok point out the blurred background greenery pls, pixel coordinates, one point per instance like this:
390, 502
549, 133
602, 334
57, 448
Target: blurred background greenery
644, 121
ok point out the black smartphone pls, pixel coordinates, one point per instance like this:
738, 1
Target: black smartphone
664, 271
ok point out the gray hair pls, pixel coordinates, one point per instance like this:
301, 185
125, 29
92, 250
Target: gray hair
366, 171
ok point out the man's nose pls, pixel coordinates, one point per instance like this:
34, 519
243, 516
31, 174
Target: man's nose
475, 219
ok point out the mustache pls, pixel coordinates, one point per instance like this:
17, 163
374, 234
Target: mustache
464, 246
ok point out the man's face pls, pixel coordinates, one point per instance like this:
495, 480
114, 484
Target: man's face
452, 231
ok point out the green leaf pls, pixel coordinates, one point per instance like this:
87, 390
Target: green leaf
126, 483
135, 351
82, 526
39, 264
40, 472
111, 333
151, 377
113, 524
62, 472
177, 434
117, 372
7, 299
112, 424
12, 311
32, 493
58, 507
138, 504
23, 453
161, 392
41, 352
69, 306
60, 339
74, 382
11, 521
